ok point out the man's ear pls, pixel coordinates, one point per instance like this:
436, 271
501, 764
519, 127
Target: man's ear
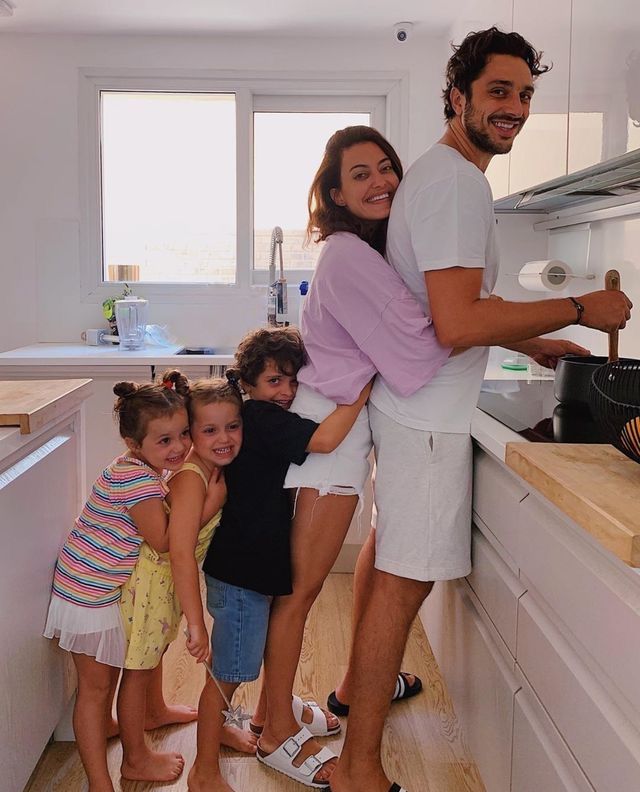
336, 197
457, 100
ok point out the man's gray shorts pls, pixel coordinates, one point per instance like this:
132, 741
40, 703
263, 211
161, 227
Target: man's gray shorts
423, 500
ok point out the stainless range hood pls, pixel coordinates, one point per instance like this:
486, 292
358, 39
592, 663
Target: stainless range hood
617, 177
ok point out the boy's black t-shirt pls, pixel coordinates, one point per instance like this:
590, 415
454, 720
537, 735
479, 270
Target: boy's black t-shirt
250, 547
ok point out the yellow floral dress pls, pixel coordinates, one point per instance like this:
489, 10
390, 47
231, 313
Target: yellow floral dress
149, 606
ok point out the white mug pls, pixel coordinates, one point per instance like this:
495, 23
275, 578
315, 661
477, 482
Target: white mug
93, 337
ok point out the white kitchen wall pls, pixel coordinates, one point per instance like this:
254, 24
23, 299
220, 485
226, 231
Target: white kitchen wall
615, 244
40, 299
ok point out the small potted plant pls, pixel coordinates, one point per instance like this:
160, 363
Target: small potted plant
109, 309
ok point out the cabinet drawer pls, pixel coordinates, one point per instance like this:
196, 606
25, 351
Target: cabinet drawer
479, 674
38, 502
598, 733
496, 587
496, 499
592, 593
541, 759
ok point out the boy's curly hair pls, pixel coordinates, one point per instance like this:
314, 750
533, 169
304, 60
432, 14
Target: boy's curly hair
283, 345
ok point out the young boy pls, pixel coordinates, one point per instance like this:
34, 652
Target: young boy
248, 562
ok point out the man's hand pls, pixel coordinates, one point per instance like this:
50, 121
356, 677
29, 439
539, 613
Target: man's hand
198, 642
605, 310
546, 351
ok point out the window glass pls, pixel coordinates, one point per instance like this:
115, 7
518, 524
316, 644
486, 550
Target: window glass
168, 182
288, 148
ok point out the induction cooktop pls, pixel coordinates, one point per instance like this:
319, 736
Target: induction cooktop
529, 408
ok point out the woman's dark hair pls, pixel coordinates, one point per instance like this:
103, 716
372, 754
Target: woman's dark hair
470, 58
212, 391
138, 404
283, 345
325, 216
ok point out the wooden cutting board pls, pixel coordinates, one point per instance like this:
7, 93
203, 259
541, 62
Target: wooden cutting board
30, 404
595, 485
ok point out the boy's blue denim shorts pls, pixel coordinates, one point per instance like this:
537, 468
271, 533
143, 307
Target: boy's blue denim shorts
240, 621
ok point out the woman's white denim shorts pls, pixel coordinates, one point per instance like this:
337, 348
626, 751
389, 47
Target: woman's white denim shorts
343, 471
240, 622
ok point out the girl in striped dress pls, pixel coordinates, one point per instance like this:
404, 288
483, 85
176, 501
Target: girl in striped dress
126, 506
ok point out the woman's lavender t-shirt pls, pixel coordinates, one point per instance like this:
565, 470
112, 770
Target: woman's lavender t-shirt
359, 318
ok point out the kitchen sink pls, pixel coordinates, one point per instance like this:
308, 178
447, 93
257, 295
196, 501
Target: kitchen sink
196, 351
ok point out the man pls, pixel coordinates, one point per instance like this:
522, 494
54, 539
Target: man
441, 241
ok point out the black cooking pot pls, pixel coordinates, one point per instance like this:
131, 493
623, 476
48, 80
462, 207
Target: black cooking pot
573, 423
573, 377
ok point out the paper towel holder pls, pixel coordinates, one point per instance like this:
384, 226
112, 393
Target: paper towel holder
560, 276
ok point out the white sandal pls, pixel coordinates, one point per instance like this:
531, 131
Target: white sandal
282, 760
319, 726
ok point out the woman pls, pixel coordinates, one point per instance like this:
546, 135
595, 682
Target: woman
359, 318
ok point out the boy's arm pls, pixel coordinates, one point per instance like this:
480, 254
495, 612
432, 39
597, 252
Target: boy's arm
187, 502
337, 425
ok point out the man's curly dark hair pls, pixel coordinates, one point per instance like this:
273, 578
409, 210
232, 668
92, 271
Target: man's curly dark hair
470, 58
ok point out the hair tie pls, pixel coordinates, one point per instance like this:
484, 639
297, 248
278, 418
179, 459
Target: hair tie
168, 384
233, 380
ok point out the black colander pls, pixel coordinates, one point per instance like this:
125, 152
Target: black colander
614, 397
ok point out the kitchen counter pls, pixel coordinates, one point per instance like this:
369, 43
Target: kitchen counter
65, 355
42, 481
42, 402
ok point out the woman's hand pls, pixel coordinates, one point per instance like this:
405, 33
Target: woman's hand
198, 642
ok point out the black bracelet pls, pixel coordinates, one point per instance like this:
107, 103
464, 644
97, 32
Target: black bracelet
579, 309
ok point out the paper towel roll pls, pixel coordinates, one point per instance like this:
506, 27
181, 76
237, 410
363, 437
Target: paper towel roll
546, 275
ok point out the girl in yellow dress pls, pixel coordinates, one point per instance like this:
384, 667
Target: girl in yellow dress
149, 605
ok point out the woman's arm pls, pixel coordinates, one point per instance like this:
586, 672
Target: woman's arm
337, 425
187, 501
150, 518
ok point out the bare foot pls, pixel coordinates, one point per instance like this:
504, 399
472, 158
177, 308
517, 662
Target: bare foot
268, 745
206, 783
239, 740
332, 720
174, 713
153, 767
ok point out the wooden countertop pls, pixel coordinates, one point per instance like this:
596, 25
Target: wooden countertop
594, 485
30, 404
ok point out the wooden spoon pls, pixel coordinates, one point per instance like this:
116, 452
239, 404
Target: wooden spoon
612, 283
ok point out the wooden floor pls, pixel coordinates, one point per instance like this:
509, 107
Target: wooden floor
424, 747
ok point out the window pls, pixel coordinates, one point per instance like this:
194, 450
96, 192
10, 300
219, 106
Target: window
186, 176
166, 213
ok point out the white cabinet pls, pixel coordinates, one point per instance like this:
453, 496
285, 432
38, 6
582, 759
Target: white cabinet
551, 619
541, 760
40, 495
605, 81
598, 732
497, 494
479, 675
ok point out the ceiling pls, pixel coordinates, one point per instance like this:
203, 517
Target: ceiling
244, 17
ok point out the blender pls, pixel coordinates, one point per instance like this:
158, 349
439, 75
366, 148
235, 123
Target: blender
131, 320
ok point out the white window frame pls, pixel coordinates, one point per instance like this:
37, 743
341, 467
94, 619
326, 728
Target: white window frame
382, 94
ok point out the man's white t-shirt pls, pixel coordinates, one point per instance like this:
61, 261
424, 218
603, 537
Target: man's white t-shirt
442, 217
